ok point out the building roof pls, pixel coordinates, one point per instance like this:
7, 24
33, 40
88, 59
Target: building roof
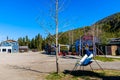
115, 41
25, 47
87, 37
10, 41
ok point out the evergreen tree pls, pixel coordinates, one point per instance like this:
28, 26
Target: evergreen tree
34, 43
38, 42
27, 41
20, 41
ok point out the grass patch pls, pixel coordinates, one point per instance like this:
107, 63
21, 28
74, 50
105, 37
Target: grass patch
116, 59
60, 76
86, 75
55, 76
109, 72
106, 59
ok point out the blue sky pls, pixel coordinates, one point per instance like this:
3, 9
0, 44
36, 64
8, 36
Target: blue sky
18, 17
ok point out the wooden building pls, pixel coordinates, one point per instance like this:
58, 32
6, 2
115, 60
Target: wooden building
114, 44
112, 48
23, 48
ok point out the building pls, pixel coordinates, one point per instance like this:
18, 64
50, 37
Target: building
113, 46
9, 46
23, 48
88, 40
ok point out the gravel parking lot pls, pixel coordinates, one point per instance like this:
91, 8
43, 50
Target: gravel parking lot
35, 66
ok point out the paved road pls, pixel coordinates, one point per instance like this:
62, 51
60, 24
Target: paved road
35, 66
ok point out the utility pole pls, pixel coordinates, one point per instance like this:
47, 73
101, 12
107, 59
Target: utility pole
94, 50
56, 22
72, 36
69, 39
97, 31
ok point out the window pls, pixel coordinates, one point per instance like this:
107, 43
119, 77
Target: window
3, 50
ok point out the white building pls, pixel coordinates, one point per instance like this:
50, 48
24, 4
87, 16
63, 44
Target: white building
5, 49
9, 46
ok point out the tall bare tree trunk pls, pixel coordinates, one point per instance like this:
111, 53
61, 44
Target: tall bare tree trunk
56, 22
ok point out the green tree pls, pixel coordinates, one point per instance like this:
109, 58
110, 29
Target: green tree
38, 42
27, 41
20, 41
32, 44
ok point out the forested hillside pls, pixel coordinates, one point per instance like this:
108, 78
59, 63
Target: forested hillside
104, 29
110, 23
110, 27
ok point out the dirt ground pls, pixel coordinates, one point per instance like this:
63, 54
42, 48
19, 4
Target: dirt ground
35, 66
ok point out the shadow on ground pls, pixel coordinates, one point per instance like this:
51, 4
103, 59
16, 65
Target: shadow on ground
81, 73
26, 69
65, 57
69, 57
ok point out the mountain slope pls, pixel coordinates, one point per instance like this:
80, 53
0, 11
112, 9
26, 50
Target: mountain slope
110, 23
105, 29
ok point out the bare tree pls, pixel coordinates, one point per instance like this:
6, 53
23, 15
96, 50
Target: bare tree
54, 15
56, 22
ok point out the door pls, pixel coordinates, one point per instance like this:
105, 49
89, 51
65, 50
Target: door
9, 50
